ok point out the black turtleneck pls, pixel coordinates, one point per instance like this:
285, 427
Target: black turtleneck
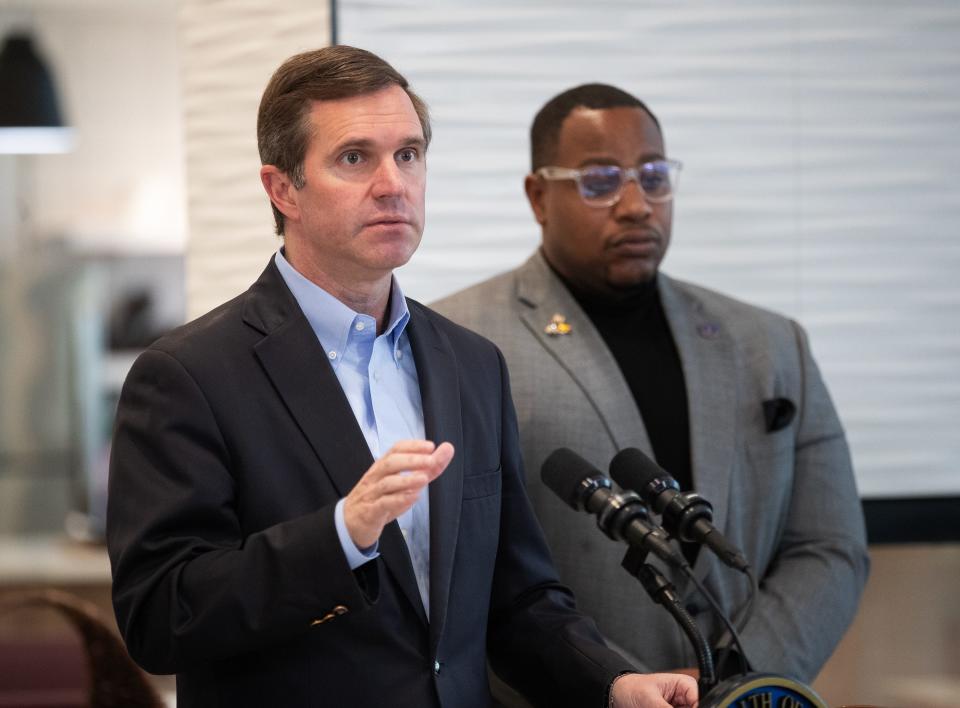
634, 328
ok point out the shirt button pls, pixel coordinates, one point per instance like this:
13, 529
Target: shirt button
332, 354
359, 326
376, 375
398, 355
436, 666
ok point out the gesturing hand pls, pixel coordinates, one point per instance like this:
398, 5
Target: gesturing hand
391, 486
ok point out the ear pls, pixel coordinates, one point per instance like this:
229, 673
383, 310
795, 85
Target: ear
533, 186
281, 191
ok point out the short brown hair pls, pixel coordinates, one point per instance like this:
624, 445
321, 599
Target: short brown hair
328, 74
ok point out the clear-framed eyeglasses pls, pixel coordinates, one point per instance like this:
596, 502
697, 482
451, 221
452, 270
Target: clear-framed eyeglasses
602, 185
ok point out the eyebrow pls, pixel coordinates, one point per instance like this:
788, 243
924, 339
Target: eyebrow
367, 143
604, 160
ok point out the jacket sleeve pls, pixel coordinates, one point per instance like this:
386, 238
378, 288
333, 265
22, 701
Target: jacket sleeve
190, 584
537, 640
810, 591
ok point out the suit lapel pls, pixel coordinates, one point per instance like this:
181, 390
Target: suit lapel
582, 353
707, 357
440, 395
298, 367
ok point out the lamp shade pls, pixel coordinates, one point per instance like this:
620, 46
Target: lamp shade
30, 117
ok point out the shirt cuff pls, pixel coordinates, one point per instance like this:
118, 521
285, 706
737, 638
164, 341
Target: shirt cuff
609, 703
355, 556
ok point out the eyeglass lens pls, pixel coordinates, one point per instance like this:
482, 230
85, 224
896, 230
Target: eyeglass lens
602, 181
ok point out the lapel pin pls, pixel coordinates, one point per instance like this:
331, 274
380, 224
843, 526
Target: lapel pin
558, 325
708, 330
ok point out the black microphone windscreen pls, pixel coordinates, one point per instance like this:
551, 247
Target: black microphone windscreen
632, 469
563, 471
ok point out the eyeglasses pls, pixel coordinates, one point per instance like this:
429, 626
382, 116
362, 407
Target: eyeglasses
602, 185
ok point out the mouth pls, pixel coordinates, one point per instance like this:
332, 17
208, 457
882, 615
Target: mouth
389, 221
639, 242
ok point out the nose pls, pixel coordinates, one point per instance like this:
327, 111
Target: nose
388, 180
633, 202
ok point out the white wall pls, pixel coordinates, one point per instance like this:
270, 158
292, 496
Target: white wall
229, 52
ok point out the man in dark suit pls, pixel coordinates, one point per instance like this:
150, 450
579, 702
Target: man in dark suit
281, 529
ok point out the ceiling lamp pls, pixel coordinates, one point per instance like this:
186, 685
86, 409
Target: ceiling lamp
30, 117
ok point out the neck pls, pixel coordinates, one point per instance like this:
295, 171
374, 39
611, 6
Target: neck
361, 292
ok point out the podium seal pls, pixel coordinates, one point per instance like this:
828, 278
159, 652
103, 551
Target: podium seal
761, 691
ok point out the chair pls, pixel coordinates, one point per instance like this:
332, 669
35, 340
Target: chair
43, 673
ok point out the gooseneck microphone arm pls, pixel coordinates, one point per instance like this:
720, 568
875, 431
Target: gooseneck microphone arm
664, 593
718, 612
624, 517
686, 516
689, 517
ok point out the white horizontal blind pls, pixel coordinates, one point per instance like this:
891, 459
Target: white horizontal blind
821, 178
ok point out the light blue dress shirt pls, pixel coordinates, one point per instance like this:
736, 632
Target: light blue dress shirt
379, 377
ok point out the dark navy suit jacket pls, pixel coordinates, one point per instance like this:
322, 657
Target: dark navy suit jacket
233, 443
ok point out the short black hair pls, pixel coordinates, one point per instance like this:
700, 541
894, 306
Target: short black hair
545, 131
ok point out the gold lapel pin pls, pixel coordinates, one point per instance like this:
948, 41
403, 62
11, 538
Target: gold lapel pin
558, 325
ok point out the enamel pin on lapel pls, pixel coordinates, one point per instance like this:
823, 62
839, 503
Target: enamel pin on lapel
558, 325
708, 330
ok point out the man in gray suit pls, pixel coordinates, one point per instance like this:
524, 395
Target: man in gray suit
606, 352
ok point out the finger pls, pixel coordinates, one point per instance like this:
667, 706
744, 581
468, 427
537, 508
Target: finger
368, 501
424, 447
444, 453
367, 496
679, 689
433, 464
441, 458
389, 506
395, 462
413, 482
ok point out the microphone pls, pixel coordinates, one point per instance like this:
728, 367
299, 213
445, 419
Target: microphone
686, 515
622, 517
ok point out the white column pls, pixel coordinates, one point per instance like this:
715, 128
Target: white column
228, 52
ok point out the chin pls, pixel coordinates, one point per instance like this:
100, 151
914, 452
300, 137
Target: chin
624, 278
396, 255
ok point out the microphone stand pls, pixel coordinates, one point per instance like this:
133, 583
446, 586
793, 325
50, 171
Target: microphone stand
664, 593
747, 689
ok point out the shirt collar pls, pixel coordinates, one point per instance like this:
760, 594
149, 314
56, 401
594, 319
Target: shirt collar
330, 319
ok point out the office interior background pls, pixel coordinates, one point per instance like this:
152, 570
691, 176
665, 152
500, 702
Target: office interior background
821, 163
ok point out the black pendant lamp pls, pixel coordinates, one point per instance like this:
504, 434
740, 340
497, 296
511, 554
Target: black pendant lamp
30, 117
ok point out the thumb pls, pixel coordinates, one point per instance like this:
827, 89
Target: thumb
678, 689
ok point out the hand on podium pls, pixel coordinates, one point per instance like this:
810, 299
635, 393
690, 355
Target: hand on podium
688, 671
653, 691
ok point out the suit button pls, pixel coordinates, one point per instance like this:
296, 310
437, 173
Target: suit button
436, 666
693, 608
335, 612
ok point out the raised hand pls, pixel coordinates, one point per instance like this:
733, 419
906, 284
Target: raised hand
391, 486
